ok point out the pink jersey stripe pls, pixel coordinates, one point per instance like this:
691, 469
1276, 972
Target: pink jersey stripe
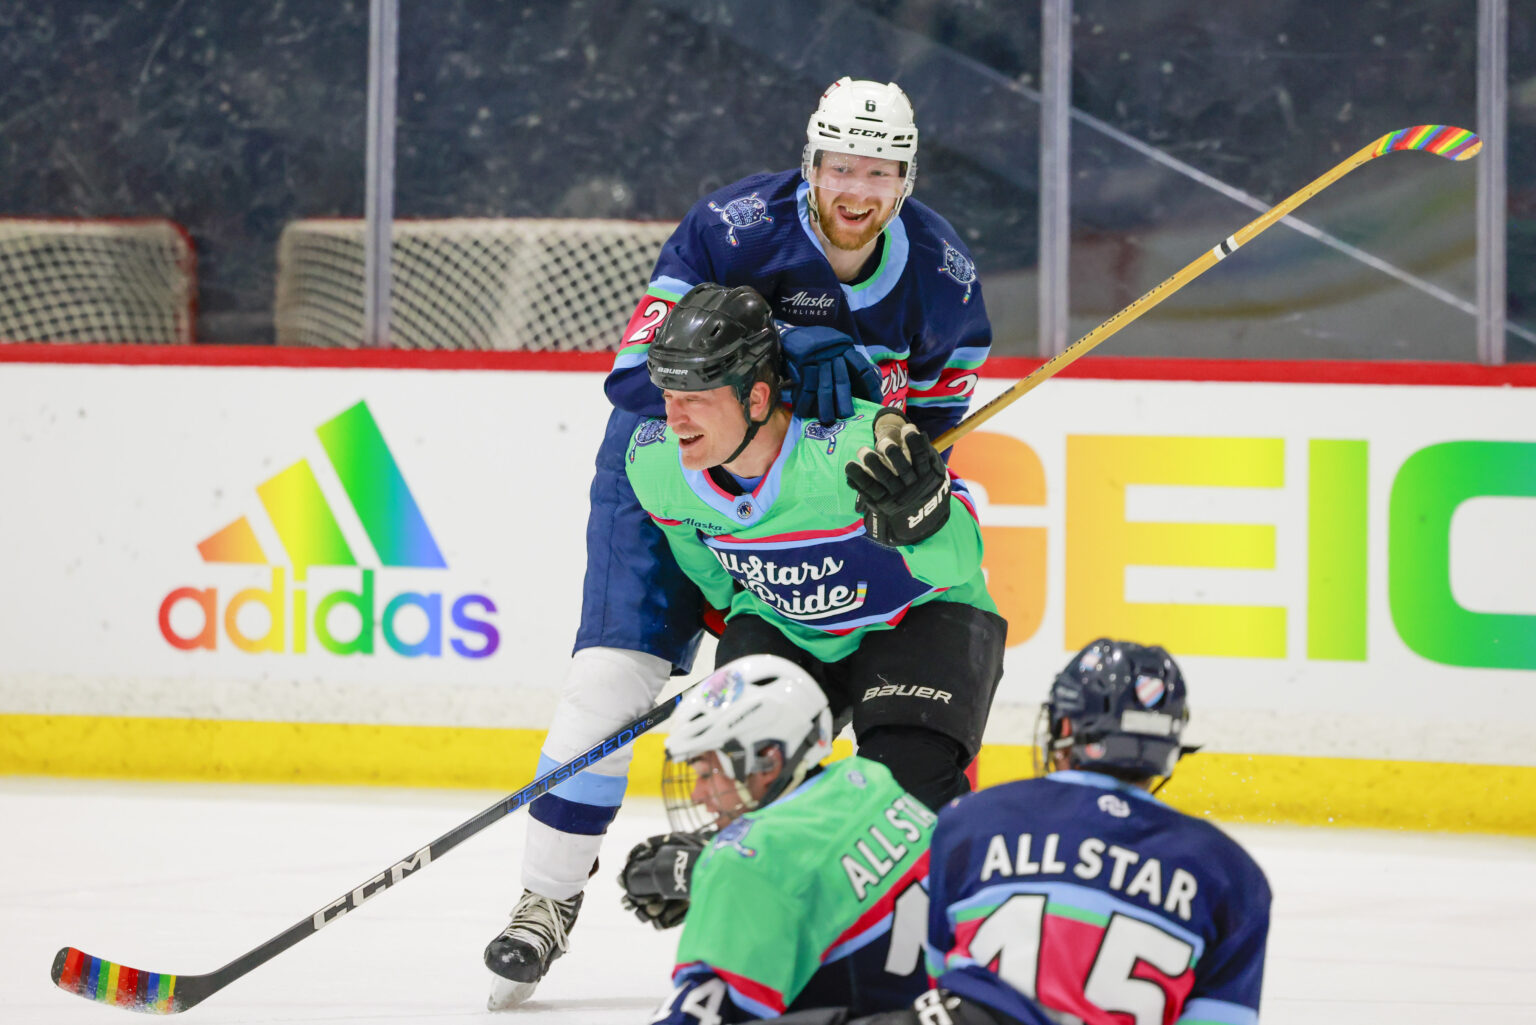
794, 535
882, 907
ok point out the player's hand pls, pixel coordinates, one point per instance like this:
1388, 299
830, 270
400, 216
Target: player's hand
657, 875
902, 483
827, 371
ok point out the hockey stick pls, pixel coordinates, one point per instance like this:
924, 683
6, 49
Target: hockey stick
1441, 140
161, 993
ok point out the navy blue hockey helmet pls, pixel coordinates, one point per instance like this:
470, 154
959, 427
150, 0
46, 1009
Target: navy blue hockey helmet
1118, 708
717, 337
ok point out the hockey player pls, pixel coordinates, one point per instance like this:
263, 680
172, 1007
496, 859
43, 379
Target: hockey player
893, 310
848, 549
1081, 897
811, 892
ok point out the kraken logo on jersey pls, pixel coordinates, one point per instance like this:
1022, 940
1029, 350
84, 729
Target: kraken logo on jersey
650, 432
958, 266
734, 837
816, 432
741, 213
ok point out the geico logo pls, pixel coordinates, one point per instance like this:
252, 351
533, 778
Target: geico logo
289, 621
893, 690
866, 131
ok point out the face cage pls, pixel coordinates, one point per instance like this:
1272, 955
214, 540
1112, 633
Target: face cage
1045, 745
678, 780
683, 815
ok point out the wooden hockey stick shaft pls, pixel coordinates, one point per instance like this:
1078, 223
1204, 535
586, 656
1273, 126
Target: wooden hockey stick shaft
75, 971
1441, 140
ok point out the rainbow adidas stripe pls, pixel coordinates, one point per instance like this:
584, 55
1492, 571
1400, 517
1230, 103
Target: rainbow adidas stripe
304, 522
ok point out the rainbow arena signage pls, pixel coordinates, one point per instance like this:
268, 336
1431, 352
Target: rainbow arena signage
1103, 541
310, 535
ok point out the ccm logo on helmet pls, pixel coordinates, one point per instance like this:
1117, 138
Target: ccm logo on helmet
892, 690
866, 131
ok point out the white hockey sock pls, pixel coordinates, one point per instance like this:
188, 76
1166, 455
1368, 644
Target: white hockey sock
604, 689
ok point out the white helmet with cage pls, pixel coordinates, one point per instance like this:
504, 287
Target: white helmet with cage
865, 118
741, 712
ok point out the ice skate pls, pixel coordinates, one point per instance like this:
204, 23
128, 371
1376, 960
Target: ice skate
538, 933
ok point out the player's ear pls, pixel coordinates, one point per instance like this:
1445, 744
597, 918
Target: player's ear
761, 400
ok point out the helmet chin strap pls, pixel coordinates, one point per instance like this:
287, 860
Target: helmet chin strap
753, 426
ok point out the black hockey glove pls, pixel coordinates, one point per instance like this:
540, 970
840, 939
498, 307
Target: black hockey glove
902, 483
657, 875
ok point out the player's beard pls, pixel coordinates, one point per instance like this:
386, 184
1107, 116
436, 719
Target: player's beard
845, 236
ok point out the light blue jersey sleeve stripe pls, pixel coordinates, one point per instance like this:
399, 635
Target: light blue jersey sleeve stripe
669, 288
1205, 1011
587, 787
968, 356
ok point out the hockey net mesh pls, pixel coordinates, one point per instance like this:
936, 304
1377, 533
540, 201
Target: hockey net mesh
532, 284
96, 281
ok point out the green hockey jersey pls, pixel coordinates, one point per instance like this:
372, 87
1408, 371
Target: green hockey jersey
793, 550
817, 900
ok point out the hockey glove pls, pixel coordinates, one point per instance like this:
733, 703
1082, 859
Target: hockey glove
827, 371
657, 875
902, 483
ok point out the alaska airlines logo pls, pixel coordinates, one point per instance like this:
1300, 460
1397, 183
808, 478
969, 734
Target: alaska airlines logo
810, 304
310, 535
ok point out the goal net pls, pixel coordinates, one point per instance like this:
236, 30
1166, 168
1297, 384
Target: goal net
96, 281
533, 284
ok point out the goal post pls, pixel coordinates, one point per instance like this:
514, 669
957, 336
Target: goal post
530, 284
96, 280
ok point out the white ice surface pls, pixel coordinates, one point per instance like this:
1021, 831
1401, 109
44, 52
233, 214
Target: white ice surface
1369, 928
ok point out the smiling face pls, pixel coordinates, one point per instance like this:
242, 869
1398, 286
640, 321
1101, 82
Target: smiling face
709, 425
855, 196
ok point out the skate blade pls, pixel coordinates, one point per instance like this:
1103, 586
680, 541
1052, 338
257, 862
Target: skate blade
506, 994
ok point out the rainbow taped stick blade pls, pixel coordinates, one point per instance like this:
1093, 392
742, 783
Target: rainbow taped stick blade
1442, 140
77, 972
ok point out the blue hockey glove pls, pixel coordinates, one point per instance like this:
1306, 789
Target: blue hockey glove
827, 371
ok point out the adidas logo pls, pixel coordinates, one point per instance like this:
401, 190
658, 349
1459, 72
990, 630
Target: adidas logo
309, 534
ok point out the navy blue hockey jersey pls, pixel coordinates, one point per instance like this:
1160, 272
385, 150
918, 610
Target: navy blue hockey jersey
918, 316
1089, 897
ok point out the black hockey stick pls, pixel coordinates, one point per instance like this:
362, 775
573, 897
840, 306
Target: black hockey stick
160, 993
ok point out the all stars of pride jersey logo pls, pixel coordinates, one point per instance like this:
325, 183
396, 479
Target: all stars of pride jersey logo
310, 536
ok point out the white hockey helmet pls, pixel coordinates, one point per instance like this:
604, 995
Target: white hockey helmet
741, 711
866, 118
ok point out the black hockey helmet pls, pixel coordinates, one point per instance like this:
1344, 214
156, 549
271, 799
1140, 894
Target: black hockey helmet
1118, 708
717, 337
